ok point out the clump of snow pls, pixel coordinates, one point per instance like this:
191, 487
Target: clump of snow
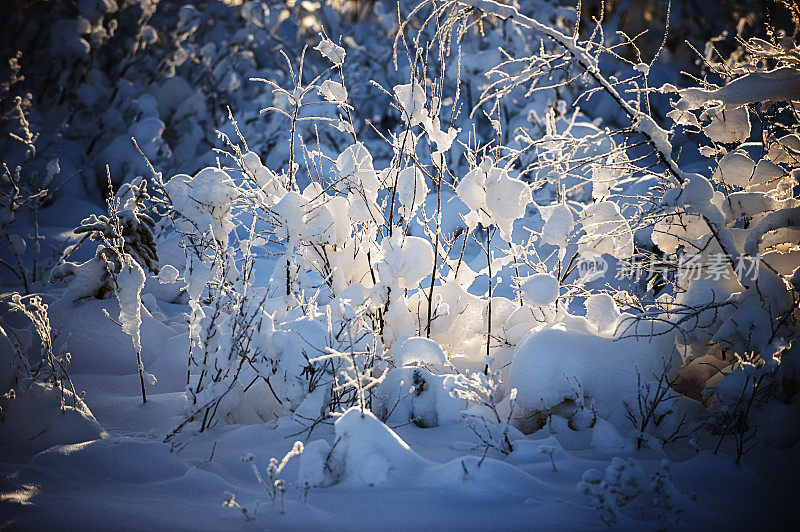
780, 84
418, 350
558, 224
331, 51
497, 198
602, 312
412, 101
606, 231
735, 169
698, 191
290, 212
728, 126
406, 260
204, 201
411, 190
130, 282
168, 274
540, 289
264, 177
607, 174
357, 174
333, 92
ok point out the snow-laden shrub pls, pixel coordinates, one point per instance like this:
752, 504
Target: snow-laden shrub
43, 408
274, 486
488, 418
24, 191
739, 223
364, 262
125, 250
123, 235
51, 366
609, 491
416, 395
624, 482
726, 221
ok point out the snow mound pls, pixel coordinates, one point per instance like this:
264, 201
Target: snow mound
127, 460
549, 361
34, 421
537, 452
487, 478
365, 452
605, 438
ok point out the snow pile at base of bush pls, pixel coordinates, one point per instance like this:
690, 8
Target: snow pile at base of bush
555, 361
416, 395
365, 452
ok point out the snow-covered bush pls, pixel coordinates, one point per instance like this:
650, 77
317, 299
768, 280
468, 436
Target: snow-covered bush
666, 497
656, 408
484, 418
622, 481
125, 250
124, 236
39, 406
410, 394
24, 191
274, 486
51, 368
375, 246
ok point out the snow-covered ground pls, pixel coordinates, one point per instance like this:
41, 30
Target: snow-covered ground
424, 478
